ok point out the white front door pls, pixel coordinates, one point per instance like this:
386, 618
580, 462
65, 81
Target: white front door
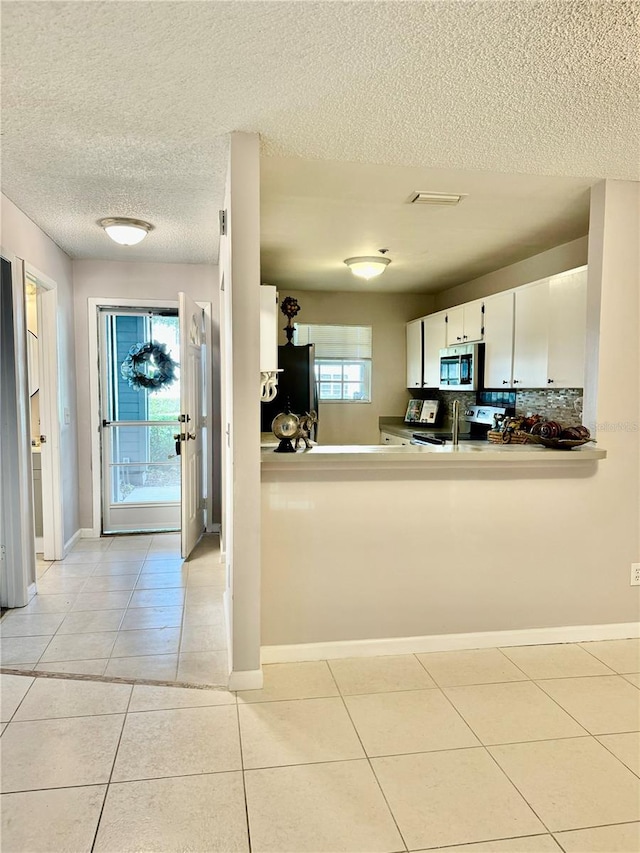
140, 465
192, 396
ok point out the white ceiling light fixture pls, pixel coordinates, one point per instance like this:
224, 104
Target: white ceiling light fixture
126, 232
368, 266
435, 198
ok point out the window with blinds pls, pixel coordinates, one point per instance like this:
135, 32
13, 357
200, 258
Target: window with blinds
342, 360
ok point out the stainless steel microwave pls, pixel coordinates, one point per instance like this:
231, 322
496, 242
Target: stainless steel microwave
461, 367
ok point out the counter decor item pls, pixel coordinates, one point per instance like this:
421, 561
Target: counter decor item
148, 366
307, 422
290, 308
534, 430
285, 427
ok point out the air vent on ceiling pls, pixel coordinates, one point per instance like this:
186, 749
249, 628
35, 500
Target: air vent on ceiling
434, 198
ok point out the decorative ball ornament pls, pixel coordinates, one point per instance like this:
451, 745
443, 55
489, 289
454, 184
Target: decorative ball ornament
285, 427
149, 366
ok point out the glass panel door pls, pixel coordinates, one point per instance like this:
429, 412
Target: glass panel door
140, 417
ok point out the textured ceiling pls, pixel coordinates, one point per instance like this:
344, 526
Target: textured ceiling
316, 213
122, 108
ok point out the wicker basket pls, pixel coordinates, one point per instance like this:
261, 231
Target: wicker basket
518, 436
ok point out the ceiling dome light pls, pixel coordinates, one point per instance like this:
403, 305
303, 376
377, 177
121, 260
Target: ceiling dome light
126, 232
368, 266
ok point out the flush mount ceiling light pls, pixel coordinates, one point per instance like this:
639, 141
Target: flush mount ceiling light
126, 232
434, 198
368, 266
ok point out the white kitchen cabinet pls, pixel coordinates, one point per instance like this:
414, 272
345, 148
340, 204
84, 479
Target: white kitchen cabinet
498, 340
388, 438
550, 332
531, 335
567, 329
414, 354
268, 328
464, 323
435, 338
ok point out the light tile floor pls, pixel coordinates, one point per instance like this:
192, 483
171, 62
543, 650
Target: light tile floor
125, 607
369, 755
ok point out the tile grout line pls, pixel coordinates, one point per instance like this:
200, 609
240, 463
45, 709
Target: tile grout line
501, 769
113, 764
568, 712
494, 759
366, 756
515, 787
244, 779
20, 703
597, 737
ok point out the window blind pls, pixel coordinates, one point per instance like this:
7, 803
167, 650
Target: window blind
335, 341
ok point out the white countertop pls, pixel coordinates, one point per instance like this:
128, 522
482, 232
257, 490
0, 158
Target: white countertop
467, 454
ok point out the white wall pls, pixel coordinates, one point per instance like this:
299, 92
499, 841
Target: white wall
568, 256
131, 280
371, 555
240, 268
387, 314
26, 240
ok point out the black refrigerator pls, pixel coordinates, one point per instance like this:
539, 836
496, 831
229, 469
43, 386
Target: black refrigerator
296, 385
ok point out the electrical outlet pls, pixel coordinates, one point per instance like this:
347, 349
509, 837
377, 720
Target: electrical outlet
635, 574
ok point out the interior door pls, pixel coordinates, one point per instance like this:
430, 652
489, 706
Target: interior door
192, 423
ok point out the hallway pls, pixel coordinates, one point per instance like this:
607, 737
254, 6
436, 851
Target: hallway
519, 750
125, 607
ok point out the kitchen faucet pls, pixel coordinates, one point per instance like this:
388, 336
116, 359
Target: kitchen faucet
455, 426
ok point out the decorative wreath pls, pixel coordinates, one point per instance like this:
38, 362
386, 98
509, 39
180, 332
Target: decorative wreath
148, 366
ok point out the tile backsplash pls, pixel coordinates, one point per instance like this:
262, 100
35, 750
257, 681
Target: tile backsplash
563, 405
560, 404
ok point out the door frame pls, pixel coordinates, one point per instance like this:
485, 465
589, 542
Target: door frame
18, 532
94, 306
52, 494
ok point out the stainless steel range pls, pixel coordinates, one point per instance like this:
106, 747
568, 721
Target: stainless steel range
475, 423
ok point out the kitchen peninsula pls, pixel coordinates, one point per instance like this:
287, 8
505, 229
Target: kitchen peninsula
416, 457
384, 550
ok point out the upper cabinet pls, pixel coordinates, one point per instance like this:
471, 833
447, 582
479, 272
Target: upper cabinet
531, 337
550, 332
414, 354
464, 324
435, 338
498, 340
567, 329
534, 335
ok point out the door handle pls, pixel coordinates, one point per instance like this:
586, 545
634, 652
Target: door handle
178, 438
191, 435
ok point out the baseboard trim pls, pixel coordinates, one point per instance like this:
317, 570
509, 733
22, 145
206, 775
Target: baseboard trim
448, 642
39, 544
68, 545
89, 533
248, 679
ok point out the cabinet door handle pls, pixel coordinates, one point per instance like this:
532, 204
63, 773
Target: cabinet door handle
505, 381
458, 338
549, 381
516, 381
